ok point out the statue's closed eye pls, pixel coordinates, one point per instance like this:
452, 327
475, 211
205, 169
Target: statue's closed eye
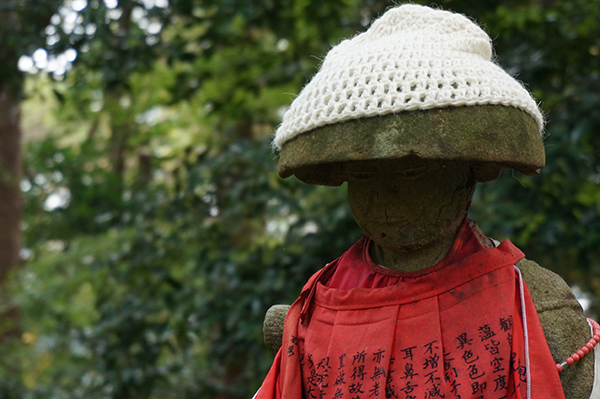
363, 175
360, 175
412, 172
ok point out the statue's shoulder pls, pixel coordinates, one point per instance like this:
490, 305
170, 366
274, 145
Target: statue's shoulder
548, 290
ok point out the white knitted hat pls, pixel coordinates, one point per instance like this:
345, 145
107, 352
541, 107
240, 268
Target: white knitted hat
412, 58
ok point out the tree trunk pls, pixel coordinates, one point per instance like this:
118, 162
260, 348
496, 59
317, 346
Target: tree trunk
10, 199
21, 24
10, 172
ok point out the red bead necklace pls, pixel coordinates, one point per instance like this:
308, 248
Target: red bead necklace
587, 348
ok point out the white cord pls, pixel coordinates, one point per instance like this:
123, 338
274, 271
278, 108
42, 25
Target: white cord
596, 385
524, 316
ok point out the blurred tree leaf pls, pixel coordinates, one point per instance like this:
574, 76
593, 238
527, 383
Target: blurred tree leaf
170, 233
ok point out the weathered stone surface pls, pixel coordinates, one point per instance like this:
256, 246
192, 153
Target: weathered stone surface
564, 326
491, 137
273, 327
395, 168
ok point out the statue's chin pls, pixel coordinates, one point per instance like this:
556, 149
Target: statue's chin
405, 247
401, 243
405, 240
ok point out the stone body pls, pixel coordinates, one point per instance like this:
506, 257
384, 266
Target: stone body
412, 113
410, 200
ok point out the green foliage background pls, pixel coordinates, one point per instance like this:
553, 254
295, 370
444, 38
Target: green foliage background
152, 279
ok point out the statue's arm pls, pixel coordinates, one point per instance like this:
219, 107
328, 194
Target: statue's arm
564, 325
273, 327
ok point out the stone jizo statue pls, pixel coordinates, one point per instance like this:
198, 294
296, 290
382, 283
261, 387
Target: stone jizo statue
413, 114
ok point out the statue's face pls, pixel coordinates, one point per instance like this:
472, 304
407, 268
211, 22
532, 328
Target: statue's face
406, 204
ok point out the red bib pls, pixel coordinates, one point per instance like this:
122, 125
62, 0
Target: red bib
453, 331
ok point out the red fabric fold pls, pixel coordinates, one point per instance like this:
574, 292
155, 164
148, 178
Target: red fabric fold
449, 331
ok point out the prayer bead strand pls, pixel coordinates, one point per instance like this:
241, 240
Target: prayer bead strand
587, 348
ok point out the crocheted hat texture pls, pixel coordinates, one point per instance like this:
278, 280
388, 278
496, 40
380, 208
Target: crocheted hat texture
412, 58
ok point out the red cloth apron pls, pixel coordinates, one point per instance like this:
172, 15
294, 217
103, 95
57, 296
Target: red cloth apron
455, 332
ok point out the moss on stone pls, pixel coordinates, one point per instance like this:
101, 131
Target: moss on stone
491, 137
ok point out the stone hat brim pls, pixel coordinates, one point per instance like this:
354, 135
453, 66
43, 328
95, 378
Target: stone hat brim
489, 137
